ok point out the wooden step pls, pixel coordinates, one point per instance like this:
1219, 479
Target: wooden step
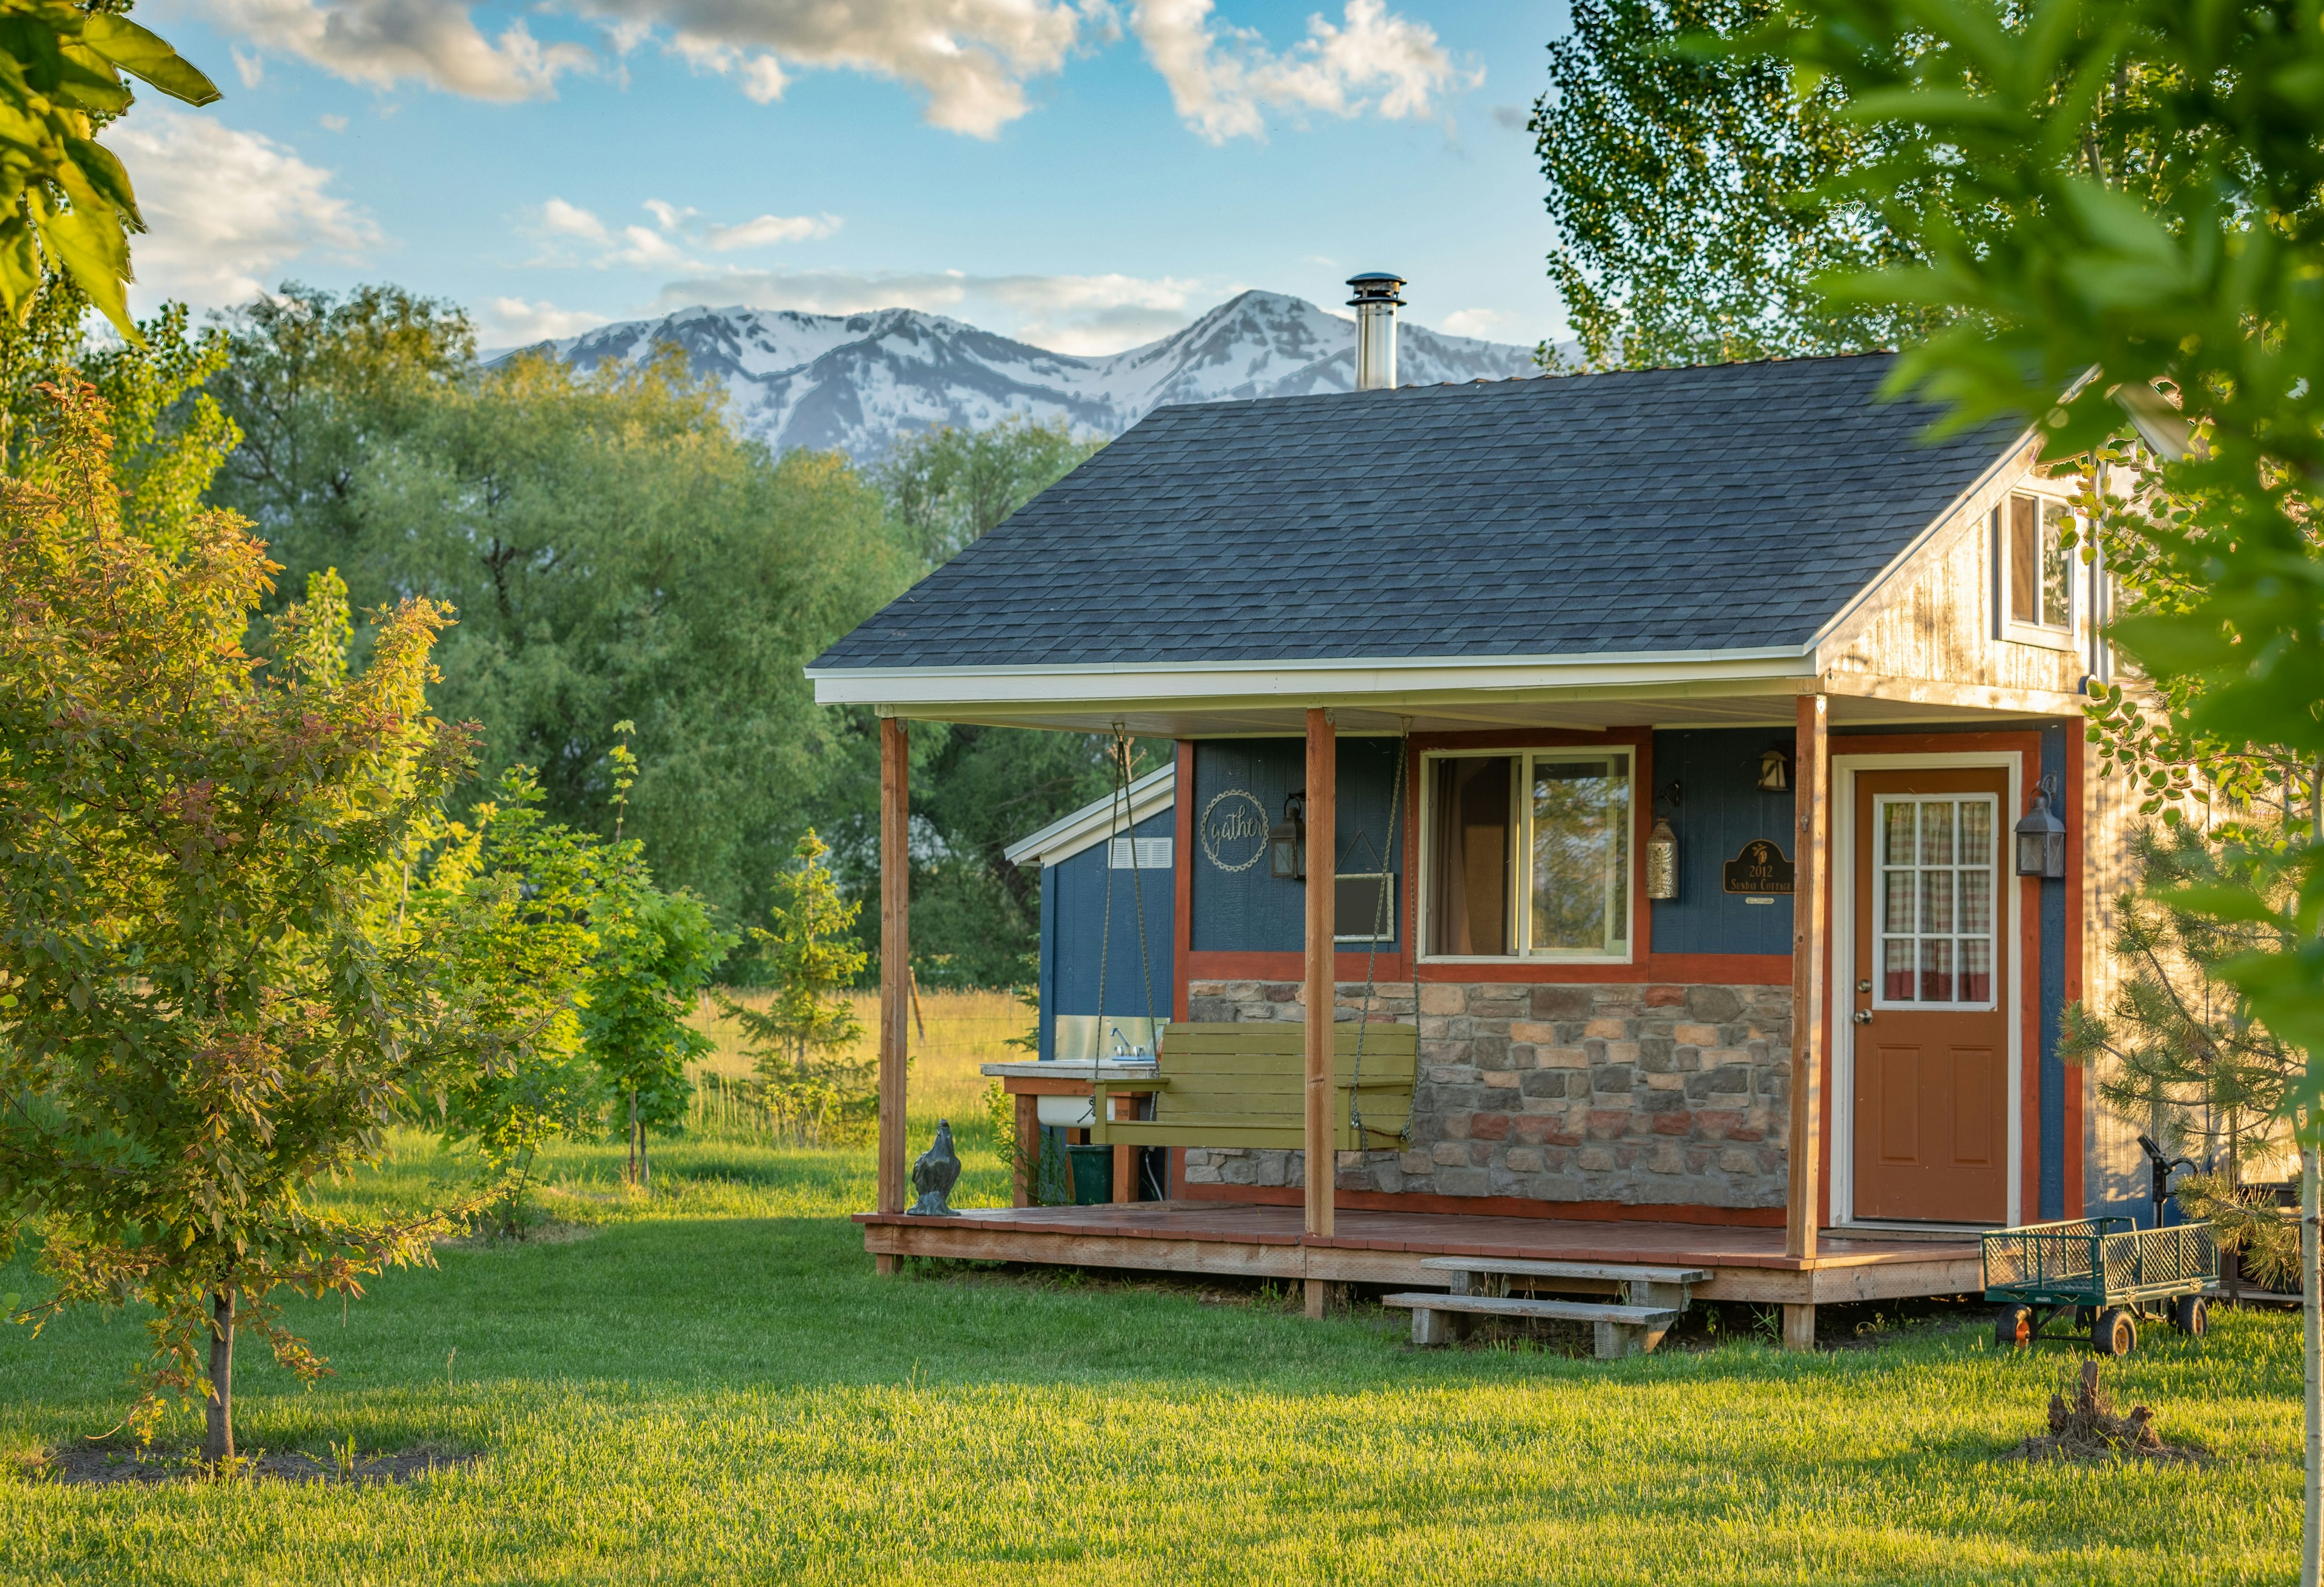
1614, 1272
1517, 1305
1621, 1330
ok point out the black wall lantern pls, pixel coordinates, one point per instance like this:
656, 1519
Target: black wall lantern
1286, 841
2042, 835
1776, 770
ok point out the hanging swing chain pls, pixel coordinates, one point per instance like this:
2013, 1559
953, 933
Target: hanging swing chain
1372, 952
1137, 892
1104, 951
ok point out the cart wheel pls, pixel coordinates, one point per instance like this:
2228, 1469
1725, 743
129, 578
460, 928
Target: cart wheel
2013, 1326
2191, 1316
2115, 1333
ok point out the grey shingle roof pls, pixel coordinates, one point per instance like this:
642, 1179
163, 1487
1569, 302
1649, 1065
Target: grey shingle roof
1730, 507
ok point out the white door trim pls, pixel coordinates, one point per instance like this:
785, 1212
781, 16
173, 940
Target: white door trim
1839, 1015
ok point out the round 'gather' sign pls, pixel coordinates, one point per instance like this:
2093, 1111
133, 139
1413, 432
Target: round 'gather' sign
1234, 830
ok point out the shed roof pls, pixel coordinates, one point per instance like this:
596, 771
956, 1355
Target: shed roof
1671, 511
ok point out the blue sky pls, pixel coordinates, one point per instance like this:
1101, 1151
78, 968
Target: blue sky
1087, 174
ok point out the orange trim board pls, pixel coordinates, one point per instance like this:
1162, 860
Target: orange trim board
1722, 969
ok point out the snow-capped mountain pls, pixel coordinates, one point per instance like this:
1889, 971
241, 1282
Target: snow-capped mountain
857, 382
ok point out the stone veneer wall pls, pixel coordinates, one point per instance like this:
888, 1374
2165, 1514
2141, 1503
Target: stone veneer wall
1626, 1093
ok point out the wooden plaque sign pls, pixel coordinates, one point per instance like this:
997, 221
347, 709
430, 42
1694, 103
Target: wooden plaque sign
1760, 868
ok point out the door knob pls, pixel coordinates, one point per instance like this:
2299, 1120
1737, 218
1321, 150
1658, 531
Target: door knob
1864, 1016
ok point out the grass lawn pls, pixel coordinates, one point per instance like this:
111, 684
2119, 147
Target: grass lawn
712, 1385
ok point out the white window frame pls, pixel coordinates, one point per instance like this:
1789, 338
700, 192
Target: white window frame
2014, 628
1839, 996
1518, 928
2000, 854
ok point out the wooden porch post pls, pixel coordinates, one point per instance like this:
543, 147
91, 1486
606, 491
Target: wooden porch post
1808, 932
895, 958
1323, 988
1028, 1148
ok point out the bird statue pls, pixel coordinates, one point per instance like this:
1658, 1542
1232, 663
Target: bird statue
935, 1173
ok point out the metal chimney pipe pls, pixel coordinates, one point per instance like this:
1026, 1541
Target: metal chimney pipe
1375, 304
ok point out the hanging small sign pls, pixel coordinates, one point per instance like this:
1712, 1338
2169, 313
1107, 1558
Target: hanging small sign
1234, 830
1759, 868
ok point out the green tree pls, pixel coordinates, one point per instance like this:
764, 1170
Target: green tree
2180, 285
320, 386
801, 1040
169, 435
660, 950
948, 487
2188, 1056
66, 206
507, 912
1683, 187
203, 1007
615, 553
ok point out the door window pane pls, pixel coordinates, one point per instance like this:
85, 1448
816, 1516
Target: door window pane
1897, 846
1581, 855
1936, 969
1975, 970
1935, 886
1896, 972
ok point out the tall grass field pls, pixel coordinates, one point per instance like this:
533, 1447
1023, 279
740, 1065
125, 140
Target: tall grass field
710, 1384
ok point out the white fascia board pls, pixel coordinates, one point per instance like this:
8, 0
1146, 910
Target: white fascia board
1093, 823
1314, 681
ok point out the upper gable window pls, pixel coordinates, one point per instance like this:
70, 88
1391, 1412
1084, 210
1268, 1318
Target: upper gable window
2039, 564
1529, 855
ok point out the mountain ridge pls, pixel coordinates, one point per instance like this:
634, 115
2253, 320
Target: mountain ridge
859, 382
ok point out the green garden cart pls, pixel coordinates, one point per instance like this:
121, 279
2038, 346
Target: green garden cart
2108, 1269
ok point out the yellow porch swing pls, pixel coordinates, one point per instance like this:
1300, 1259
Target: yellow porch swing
1244, 1083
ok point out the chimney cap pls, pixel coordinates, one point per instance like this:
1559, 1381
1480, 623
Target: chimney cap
1374, 286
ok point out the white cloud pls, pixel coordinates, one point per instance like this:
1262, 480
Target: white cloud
770, 229
225, 209
332, 124
383, 42
1471, 322
512, 322
763, 76
1224, 79
561, 219
571, 235
642, 250
1079, 314
970, 58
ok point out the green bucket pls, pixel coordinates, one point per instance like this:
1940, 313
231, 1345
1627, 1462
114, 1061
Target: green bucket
1093, 1174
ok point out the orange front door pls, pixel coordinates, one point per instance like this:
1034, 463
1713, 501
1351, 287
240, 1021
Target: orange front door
1930, 996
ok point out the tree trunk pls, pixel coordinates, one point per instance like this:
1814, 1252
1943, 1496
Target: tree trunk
217, 1433
634, 1135
2311, 1315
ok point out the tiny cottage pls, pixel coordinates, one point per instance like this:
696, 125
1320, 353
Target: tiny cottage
1672, 781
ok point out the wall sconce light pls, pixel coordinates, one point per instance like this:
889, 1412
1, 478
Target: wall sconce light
1776, 770
2042, 835
1662, 861
1286, 841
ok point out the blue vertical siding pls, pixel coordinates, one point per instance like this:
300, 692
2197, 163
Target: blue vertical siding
1251, 911
2053, 994
1720, 808
1073, 937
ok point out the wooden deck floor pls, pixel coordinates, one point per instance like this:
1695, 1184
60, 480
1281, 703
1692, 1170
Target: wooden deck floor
1387, 1248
